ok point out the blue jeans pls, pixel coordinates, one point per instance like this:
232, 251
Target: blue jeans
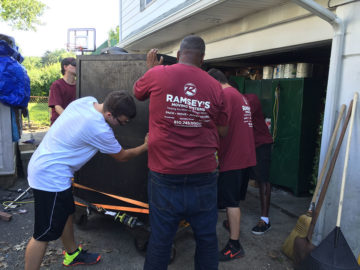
173, 198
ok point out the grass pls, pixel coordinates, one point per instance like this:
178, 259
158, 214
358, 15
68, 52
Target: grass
39, 114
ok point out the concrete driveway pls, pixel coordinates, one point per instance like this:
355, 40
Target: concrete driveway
116, 243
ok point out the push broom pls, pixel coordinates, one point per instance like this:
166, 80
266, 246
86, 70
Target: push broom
302, 225
334, 252
303, 245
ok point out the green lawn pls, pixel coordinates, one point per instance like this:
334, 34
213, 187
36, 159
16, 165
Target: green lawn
39, 114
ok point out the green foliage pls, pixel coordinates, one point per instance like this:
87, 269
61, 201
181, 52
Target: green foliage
32, 62
55, 56
39, 114
42, 78
21, 14
114, 34
43, 71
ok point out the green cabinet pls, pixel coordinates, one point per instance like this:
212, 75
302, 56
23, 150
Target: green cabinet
263, 89
294, 130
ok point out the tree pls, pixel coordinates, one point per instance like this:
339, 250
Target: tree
32, 62
114, 34
43, 71
42, 78
21, 14
55, 56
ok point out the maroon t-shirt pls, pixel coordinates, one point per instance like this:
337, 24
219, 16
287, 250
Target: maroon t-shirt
237, 148
261, 131
186, 105
61, 93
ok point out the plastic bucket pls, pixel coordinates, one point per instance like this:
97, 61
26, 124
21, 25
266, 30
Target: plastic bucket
304, 70
290, 71
279, 72
268, 72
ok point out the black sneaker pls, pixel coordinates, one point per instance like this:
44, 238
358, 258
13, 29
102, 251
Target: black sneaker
226, 225
230, 252
261, 228
81, 257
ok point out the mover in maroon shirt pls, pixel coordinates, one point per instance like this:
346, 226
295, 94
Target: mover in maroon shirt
186, 105
261, 172
186, 109
236, 156
63, 91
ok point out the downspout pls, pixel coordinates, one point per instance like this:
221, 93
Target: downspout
335, 69
120, 21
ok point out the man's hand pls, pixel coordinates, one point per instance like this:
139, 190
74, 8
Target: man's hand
151, 59
146, 138
127, 154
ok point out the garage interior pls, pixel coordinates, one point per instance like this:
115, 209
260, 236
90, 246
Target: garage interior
292, 107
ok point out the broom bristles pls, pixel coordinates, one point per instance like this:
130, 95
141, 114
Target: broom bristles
300, 230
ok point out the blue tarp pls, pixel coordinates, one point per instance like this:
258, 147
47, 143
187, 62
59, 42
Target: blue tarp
14, 127
14, 81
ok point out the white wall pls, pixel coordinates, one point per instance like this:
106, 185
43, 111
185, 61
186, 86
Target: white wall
134, 19
271, 38
282, 26
7, 154
350, 82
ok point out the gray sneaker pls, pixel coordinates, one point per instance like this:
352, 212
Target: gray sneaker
81, 257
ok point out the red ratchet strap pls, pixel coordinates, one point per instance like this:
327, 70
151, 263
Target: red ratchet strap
131, 201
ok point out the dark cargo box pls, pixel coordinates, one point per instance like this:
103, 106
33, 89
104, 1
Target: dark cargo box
97, 76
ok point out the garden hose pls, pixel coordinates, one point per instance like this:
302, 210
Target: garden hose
9, 204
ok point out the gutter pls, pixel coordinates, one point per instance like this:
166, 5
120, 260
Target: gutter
333, 86
120, 22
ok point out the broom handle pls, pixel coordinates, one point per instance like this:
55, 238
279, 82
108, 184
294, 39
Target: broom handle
328, 175
343, 180
327, 157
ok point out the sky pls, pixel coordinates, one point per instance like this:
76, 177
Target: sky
103, 15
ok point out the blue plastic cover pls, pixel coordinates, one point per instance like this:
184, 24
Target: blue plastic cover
14, 81
14, 127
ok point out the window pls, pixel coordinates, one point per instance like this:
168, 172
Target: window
145, 3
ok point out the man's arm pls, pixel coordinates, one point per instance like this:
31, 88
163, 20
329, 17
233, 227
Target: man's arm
142, 85
127, 154
58, 109
222, 130
55, 97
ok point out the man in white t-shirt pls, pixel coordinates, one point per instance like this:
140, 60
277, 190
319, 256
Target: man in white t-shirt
83, 129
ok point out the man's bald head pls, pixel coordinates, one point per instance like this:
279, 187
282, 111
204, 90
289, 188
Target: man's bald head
194, 43
192, 50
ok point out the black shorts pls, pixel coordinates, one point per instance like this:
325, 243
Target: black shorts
261, 172
232, 187
52, 210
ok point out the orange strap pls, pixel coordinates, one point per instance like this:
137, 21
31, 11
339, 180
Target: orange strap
114, 207
135, 202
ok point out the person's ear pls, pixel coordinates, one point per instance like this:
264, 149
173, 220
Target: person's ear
202, 59
107, 115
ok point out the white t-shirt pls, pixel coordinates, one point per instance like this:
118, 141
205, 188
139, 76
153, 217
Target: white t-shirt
72, 140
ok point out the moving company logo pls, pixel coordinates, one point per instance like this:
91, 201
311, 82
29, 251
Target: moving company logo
190, 89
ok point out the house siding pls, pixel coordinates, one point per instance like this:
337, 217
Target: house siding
134, 20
